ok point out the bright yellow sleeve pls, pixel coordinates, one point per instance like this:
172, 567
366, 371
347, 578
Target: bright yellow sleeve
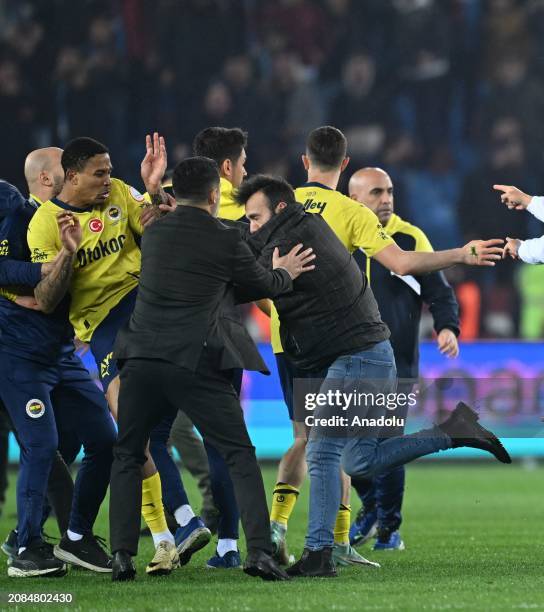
365, 230
423, 244
135, 202
43, 236
9, 296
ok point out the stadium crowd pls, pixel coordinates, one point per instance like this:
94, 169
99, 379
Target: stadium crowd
446, 95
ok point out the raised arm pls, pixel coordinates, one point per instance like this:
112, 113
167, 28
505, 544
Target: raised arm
152, 170
516, 199
474, 253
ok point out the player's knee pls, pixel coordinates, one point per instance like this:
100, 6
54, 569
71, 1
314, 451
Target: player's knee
43, 449
357, 466
128, 457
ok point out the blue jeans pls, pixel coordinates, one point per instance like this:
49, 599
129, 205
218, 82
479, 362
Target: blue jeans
362, 456
385, 492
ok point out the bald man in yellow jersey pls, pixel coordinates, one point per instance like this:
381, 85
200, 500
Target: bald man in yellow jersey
357, 227
103, 287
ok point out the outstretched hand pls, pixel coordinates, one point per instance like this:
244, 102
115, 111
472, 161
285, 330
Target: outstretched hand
511, 248
513, 197
483, 252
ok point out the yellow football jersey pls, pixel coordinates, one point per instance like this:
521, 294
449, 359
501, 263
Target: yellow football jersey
356, 226
107, 265
228, 206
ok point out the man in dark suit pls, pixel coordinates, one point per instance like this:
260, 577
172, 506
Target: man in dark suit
176, 355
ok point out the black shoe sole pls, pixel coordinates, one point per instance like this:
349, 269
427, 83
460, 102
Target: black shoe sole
329, 575
489, 441
14, 572
125, 576
201, 540
69, 557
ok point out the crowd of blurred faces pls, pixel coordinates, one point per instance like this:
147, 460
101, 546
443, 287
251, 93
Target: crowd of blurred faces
446, 95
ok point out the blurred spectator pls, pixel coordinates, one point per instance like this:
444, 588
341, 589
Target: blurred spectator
513, 91
289, 107
482, 216
362, 110
505, 28
299, 25
421, 30
430, 198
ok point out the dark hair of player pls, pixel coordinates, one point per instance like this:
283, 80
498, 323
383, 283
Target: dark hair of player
326, 147
220, 143
78, 152
194, 178
275, 190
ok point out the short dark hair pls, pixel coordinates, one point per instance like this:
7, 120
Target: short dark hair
194, 177
275, 190
78, 151
326, 147
219, 143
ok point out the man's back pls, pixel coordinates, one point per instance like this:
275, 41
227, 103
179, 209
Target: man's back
189, 262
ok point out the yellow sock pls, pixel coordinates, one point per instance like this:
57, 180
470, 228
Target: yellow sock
152, 509
341, 527
283, 501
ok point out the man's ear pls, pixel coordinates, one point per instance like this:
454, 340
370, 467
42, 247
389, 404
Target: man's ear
345, 163
305, 161
71, 175
44, 179
279, 207
213, 197
226, 168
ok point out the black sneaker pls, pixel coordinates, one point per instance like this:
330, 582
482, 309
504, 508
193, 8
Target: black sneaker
36, 560
87, 552
464, 430
314, 564
9, 545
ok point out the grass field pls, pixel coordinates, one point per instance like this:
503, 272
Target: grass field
473, 542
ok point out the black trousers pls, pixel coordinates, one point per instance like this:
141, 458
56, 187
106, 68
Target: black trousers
151, 389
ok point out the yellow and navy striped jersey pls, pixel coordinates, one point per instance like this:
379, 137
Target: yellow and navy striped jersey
107, 265
355, 225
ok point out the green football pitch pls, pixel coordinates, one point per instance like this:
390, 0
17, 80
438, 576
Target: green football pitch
473, 541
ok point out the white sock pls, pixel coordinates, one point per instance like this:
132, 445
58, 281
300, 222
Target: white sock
21, 549
73, 536
225, 545
161, 537
183, 515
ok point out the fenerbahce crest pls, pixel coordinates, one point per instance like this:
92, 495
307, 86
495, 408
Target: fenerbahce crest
35, 408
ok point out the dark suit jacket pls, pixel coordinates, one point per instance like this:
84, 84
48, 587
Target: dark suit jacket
190, 263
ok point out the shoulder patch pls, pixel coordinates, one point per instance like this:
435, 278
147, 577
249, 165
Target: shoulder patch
136, 194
